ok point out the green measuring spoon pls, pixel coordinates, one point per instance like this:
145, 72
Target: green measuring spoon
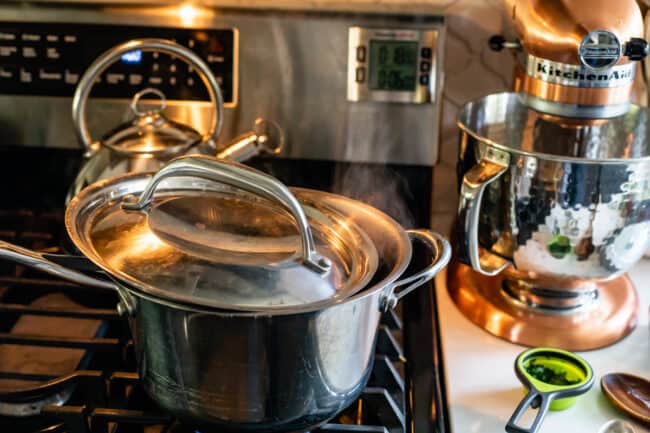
553, 378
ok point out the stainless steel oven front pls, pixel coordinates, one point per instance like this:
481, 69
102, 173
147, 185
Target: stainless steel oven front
298, 69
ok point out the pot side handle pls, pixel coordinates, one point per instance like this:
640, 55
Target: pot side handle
441, 250
475, 181
41, 262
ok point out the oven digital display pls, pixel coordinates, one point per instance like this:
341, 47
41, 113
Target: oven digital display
132, 57
393, 65
48, 59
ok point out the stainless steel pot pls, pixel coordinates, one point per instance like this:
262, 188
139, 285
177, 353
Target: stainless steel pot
555, 197
288, 369
149, 140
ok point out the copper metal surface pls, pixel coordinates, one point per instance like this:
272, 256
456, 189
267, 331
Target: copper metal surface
552, 282
482, 301
553, 29
572, 95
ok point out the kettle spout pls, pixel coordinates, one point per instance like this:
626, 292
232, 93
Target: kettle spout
266, 138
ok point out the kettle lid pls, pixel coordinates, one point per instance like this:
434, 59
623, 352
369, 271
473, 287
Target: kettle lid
150, 132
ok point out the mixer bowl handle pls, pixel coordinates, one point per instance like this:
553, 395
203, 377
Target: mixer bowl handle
475, 181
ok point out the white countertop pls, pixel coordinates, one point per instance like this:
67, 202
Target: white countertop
482, 388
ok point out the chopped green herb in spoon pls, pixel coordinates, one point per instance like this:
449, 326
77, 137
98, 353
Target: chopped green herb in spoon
548, 375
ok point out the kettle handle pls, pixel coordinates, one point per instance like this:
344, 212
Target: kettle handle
104, 61
475, 181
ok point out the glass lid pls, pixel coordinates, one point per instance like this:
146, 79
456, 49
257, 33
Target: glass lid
150, 132
219, 234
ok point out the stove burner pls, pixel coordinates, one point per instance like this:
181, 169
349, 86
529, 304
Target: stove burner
101, 393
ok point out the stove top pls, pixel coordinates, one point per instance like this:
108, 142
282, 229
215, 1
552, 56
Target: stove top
66, 356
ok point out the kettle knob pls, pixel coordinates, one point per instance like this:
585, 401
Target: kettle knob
135, 103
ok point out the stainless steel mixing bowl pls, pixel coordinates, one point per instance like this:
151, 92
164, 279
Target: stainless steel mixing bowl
555, 197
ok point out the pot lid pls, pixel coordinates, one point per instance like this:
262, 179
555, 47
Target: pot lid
150, 132
218, 234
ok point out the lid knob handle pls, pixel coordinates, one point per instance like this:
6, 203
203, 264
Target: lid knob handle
242, 177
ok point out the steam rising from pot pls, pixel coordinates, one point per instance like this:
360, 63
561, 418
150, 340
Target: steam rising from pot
378, 186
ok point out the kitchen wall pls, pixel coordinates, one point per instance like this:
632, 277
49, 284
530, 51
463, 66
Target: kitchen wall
471, 71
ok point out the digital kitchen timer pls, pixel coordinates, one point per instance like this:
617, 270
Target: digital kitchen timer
392, 65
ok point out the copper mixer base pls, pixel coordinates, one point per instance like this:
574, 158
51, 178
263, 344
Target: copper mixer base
482, 301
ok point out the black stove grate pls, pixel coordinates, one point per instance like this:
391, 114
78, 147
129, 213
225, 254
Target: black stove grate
101, 393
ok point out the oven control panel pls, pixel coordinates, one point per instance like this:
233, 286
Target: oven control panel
47, 59
392, 65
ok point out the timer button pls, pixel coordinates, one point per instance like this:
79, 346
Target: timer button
135, 79
26, 75
31, 37
425, 66
8, 73
115, 78
361, 74
52, 53
50, 75
8, 51
71, 77
361, 53
30, 52
425, 52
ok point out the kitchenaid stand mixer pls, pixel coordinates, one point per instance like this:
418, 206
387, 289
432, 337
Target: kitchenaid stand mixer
555, 181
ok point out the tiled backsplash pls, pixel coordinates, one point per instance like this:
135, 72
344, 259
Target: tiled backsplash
472, 70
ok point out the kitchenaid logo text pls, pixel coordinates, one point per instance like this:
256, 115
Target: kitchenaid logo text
579, 76
582, 75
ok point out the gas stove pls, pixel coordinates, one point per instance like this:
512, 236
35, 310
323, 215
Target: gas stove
358, 98
66, 356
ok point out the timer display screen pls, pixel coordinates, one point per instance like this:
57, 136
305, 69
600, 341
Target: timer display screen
393, 65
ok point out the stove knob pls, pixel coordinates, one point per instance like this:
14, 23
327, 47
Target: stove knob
636, 49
